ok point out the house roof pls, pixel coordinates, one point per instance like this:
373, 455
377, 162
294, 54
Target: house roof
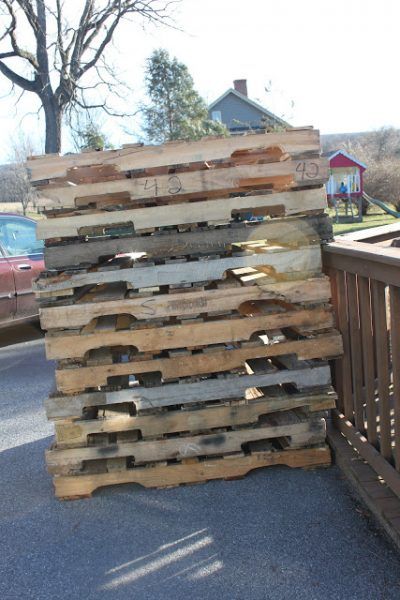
251, 102
332, 153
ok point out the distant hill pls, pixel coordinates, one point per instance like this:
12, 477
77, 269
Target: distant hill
336, 141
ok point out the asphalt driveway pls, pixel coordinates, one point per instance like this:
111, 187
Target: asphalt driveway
277, 534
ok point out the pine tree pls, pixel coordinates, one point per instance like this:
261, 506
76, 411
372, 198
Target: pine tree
176, 110
91, 138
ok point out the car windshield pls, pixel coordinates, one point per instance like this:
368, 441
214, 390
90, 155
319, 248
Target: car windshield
18, 237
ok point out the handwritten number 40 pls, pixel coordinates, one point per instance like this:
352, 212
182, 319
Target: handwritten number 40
307, 170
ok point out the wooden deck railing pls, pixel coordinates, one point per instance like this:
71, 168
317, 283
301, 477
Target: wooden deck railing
366, 296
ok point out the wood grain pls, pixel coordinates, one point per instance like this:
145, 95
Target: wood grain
239, 178
170, 475
180, 214
132, 157
282, 263
60, 407
185, 303
73, 380
67, 345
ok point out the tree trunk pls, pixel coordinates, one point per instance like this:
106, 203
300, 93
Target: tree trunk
53, 117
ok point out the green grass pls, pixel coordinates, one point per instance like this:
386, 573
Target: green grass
375, 218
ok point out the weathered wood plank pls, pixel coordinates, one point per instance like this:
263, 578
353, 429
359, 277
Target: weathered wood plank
303, 432
70, 381
292, 230
172, 394
355, 348
394, 293
343, 325
187, 303
383, 365
239, 178
135, 156
368, 357
180, 214
75, 433
176, 474
280, 261
66, 345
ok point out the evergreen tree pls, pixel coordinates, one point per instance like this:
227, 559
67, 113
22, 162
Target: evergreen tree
86, 132
176, 111
91, 138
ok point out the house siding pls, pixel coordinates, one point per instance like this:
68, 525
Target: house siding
238, 115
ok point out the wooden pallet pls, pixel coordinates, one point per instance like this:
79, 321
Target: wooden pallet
108, 332
191, 471
228, 295
117, 424
47, 168
202, 241
225, 387
293, 428
71, 379
210, 211
278, 176
278, 262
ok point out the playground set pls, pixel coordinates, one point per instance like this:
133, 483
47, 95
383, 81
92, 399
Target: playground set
345, 188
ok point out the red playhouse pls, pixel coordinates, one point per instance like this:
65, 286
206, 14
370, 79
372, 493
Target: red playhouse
345, 180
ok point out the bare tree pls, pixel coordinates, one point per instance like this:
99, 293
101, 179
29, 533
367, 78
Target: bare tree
14, 182
380, 151
15, 186
66, 56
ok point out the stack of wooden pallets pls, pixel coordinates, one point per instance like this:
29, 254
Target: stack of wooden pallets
186, 308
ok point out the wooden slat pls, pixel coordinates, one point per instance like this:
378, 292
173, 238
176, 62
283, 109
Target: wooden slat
382, 361
234, 179
179, 214
355, 350
368, 357
172, 394
395, 346
136, 156
372, 235
343, 325
337, 364
180, 336
279, 261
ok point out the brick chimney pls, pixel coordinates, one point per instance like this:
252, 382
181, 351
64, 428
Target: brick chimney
240, 86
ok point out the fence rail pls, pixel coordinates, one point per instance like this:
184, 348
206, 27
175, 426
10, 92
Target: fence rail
366, 295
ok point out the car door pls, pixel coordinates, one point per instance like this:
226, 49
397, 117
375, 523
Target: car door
25, 256
8, 300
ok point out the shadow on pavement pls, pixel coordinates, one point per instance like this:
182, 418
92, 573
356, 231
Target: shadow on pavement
20, 333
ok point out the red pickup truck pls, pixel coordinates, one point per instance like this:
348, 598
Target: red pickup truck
21, 260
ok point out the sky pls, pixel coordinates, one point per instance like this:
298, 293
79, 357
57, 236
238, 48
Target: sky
336, 62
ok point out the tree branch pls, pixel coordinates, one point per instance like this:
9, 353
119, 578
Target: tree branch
26, 84
20, 52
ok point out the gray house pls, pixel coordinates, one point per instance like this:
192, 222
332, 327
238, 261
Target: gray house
235, 109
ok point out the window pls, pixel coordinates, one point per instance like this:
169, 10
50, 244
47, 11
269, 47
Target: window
18, 237
216, 116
